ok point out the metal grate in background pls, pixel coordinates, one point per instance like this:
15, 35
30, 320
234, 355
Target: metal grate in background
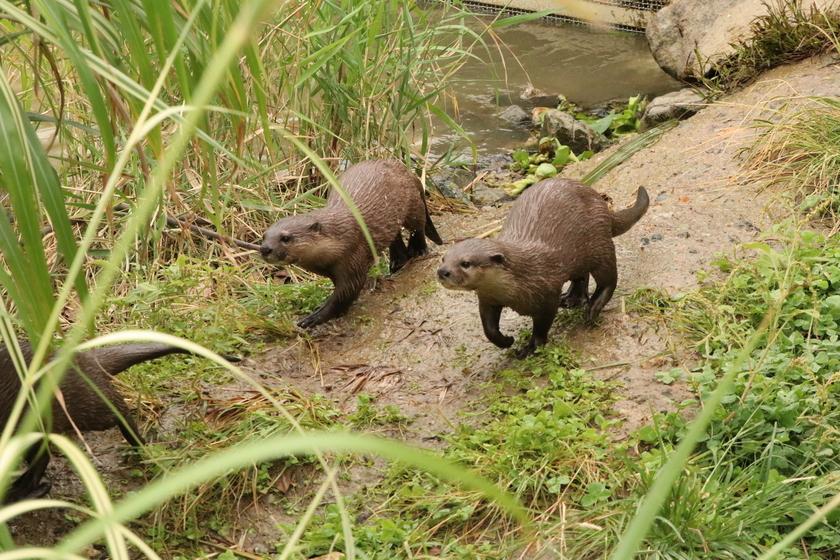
641, 5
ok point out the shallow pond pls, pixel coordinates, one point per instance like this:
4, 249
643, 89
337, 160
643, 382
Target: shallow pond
588, 66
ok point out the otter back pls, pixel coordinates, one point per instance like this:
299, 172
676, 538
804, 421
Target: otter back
388, 196
330, 241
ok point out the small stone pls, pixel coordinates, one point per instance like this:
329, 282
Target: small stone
569, 131
684, 235
746, 225
676, 105
515, 115
533, 97
656, 237
645, 241
662, 196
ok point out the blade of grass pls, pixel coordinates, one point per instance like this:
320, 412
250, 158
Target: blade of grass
259, 451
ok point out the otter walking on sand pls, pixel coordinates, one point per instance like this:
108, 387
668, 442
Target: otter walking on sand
558, 230
83, 403
330, 242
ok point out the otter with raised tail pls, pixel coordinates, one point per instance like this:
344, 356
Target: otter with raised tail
558, 230
330, 242
84, 403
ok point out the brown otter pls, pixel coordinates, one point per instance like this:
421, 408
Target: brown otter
559, 230
330, 242
84, 403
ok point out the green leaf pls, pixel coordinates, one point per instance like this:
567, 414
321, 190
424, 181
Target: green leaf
520, 18
561, 156
603, 124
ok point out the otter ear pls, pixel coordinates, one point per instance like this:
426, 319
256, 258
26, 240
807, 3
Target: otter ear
315, 226
497, 258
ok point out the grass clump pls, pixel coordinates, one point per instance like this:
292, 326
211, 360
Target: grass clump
544, 437
212, 304
786, 33
770, 455
800, 153
223, 419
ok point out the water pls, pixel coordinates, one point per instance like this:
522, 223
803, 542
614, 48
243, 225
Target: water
588, 66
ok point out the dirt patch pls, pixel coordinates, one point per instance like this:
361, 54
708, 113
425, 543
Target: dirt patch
430, 339
419, 347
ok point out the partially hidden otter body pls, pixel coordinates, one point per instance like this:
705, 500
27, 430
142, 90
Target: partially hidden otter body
85, 405
558, 231
330, 242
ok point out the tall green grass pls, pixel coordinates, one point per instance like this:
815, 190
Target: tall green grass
346, 79
184, 105
798, 150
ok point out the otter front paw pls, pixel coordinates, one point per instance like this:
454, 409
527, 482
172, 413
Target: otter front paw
310, 320
525, 351
37, 491
501, 340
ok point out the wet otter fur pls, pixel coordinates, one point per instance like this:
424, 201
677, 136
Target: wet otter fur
558, 230
331, 243
84, 404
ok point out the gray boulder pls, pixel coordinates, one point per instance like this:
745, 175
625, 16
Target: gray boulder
687, 37
515, 115
578, 135
677, 105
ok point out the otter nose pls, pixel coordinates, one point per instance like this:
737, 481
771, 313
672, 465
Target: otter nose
443, 273
265, 250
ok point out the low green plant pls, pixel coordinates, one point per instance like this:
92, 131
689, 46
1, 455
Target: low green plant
770, 451
543, 435
621, 120
368, 415
544, 164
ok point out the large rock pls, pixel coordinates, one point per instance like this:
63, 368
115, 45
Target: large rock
578, 135
684, 29
676, 105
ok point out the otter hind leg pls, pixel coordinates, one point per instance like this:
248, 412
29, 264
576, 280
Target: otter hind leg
578, 294
398, 254
606, 280
30, 484
129, 429
417, 246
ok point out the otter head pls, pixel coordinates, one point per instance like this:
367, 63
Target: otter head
472, 264
294, 240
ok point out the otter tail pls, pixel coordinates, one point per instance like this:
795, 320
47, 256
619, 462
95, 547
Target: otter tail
431, 232
116, 359
623, 220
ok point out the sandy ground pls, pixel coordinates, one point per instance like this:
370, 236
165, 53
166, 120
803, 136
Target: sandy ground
415, 345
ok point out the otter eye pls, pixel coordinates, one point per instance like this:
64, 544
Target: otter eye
285, 238
465, 264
